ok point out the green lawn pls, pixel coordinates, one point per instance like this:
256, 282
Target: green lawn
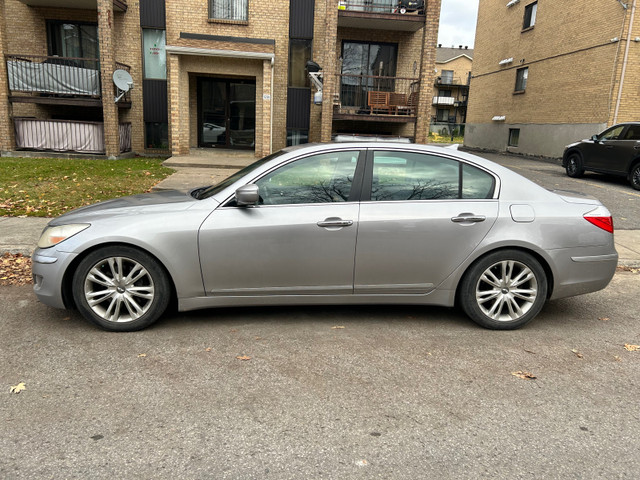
445, 139
46, 187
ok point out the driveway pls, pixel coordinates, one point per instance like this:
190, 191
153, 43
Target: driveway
324, 392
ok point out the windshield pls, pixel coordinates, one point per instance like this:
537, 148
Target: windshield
207, 192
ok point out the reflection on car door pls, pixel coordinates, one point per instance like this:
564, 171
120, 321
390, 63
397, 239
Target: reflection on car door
610, 150
300, 240
420, 222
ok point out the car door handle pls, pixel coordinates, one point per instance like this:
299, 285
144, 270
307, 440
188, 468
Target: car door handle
468, 217
334, 223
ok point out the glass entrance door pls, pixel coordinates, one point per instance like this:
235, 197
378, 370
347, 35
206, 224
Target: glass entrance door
226, 113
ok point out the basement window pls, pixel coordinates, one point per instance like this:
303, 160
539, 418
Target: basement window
514, 137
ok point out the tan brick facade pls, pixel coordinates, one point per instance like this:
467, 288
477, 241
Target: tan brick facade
574, 54
256, 50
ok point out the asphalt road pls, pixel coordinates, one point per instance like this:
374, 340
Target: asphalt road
614, 192
398, 393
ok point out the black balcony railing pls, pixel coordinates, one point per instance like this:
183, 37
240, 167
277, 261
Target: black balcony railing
382, 6
374, 95
54, 76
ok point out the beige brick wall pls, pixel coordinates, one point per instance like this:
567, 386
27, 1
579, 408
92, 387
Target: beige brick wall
569, 53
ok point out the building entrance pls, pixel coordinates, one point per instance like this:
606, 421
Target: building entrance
226, 113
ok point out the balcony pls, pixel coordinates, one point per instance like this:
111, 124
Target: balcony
58, 80
381, 15
446, 101
377, 99
69, 136
118, 5
451, 81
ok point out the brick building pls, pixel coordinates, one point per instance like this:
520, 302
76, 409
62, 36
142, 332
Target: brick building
211, 73
548, 73
453, 73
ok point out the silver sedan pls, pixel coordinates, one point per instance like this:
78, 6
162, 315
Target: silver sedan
360, 223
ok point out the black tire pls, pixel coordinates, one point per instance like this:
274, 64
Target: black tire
488, 293
121, 289
574, 168
634, 176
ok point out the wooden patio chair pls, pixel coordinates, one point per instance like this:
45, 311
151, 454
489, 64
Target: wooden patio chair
398, 102
378, 101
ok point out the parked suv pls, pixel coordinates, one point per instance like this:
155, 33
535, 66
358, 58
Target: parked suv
615, 151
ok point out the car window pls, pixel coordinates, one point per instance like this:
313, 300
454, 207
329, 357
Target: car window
612, 133
323, 178
476, 183
633, 133
415, 176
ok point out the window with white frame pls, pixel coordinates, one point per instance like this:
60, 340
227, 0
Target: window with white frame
530, 15
522, 74
237, 10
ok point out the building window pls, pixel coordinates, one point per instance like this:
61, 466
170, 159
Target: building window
514, 137
521, 79
157, 135
446, 77
444, 93
530, 15
299, 54
297, 137
442, 115
154, 54
229, 10
71, 39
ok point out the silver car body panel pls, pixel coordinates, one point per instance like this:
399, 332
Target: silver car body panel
410, 252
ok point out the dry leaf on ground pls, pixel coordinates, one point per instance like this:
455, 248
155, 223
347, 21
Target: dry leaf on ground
336, 327
141, 355
524, 375
18, 388
577, 353
15, 269
604, 319
631, 348
243, 357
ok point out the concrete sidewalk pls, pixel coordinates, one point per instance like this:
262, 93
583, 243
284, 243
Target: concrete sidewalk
202, 167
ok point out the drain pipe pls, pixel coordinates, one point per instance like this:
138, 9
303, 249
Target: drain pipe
271, 99
624, 63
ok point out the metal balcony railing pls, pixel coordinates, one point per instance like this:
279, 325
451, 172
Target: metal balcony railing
55, 76
375, 95
381, 6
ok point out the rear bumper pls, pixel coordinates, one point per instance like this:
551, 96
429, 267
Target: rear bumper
586, 272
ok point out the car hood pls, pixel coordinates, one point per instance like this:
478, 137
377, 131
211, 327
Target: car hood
576, 197
168, 200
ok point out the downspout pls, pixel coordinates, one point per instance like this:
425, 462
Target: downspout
624, 63
271, 99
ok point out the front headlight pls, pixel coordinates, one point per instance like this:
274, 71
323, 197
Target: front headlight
54, 235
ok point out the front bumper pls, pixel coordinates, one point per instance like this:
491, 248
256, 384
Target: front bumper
48, 268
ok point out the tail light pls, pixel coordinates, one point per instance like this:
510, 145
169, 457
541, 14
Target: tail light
601, 218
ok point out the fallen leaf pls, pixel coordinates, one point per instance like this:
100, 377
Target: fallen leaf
336, 327
617, 358
631, 348
604, 319
530, 351
243, 357
524, 375
17, 388
208, 349
362, 463
577, 353
140, 355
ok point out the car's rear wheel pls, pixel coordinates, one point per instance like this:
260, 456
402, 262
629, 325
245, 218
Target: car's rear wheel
634, 177
504, 290
574, 167
120, 288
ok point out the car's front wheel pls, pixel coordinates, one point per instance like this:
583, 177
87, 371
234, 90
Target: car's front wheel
120, 288
634, 177
574, 166
504, 290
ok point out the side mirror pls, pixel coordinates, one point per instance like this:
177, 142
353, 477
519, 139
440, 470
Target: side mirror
247, 195
594, 138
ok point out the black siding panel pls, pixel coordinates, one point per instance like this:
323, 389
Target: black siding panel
298, 107
152, 14
155, 100
301, 18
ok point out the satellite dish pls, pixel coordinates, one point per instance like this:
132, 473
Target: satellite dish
123, 82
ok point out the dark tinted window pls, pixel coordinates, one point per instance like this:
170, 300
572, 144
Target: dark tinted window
323, 178
633, 133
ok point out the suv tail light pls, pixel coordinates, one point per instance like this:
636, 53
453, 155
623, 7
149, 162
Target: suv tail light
601, 218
